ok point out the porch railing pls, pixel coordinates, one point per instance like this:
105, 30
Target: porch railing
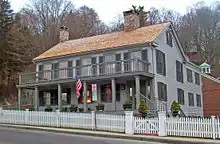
154, 104
92, 70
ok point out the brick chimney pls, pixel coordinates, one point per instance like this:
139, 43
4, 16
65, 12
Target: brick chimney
131, 20
64, 33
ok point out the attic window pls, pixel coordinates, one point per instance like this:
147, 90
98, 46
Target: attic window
169, 38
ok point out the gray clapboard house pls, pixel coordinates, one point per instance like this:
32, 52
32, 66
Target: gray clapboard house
136, 63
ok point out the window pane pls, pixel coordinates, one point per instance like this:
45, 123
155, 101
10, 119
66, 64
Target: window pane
118, 64
169, 38
160, 62
189, 75
191, 99
78, 69
198, 99
197, 79
70, 69
126, 56
94, 66
162, 91
180, 94
144, 55
41, 67
179, 71
118, 57
55, 67
101, 66
94, 60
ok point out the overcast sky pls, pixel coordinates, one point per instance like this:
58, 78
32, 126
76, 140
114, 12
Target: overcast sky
109, 9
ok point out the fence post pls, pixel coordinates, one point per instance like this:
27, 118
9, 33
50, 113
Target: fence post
26, 116
1, 108
129, 122
213, 127
162, 123
58, 118
93, 120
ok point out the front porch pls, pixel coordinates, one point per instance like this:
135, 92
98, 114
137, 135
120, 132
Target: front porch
113, 93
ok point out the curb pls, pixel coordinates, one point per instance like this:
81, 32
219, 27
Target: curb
168, 140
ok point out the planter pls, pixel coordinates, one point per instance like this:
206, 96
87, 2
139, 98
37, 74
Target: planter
127, 106
73, 109
81, 109
48, 110
175, 113
100, 108
143, 114
64, 109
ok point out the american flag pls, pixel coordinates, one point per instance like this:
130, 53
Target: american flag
78, 86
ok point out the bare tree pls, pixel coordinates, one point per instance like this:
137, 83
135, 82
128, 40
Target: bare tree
84, 22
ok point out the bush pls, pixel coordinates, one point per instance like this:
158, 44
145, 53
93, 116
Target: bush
175, 106
143, 108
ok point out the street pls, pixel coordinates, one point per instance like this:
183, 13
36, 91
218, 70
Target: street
21, 136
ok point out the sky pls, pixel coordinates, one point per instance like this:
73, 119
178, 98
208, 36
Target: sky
108, 10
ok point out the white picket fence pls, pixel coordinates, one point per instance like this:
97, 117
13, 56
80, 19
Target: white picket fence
110, 122
162, 126
193, 127
63, 119
146, 126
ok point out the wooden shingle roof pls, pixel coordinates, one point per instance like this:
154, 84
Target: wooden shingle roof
111, 40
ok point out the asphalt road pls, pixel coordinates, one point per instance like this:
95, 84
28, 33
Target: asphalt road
20, 136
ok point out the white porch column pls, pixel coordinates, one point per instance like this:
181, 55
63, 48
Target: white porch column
36, 96
85, 96
113, 94
137, 87
59, 97
19, 98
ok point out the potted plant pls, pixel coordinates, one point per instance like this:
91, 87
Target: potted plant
64, 109
48, 108
73, 108
175, 108
127, 105
100, 107
143, 108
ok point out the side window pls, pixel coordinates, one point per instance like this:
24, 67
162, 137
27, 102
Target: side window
197, 79
162, 91
180, 95
160, 62
179, 71
169, 38
189, 76
191, 99
198, 100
